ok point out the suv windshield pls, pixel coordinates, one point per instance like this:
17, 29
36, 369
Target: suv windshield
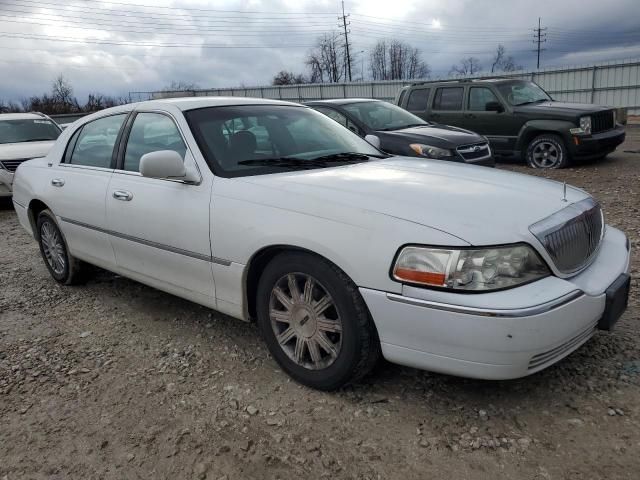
383, 115
28, 130
521, 92
260, 139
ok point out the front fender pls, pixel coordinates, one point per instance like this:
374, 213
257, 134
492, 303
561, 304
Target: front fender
533, 128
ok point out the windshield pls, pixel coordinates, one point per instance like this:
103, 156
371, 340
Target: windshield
382, 115
28, 130
260, 139
520, 93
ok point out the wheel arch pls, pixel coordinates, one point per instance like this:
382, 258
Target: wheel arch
533, 128
33, 210
256, 265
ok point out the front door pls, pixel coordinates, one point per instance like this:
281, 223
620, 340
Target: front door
84, 173
496, 126
159, 227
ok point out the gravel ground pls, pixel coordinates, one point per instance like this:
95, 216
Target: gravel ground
116, 380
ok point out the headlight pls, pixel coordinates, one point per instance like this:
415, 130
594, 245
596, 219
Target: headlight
585, 124
482, 269
430, 152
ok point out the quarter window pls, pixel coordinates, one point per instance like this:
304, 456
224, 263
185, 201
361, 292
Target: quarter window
151, 132
479, 97
95, 142
449, 98
417, 101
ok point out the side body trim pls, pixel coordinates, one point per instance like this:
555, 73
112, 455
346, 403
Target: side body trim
149, 243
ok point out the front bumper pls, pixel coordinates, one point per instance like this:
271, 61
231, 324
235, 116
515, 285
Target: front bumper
598, 144
498, 335
6, 180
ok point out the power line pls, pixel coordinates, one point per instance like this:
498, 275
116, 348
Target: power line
541, 38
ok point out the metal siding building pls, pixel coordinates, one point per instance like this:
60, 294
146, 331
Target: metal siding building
615, 83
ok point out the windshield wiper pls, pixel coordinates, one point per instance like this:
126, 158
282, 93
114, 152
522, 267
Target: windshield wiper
409, 125
533, 101
39, 140
318, 162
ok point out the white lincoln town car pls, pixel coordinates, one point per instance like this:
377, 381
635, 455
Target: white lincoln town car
270, 211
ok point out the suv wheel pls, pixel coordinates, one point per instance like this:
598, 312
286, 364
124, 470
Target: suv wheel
315, 322
547, 151
63, 267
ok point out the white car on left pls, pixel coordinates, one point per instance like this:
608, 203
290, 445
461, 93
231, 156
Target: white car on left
23, 136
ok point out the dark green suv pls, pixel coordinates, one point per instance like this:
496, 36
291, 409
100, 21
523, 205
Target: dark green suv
519, 118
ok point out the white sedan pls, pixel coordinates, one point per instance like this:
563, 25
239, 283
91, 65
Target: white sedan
270, 211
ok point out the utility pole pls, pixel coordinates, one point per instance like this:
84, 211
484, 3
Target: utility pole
539, 38
347, 57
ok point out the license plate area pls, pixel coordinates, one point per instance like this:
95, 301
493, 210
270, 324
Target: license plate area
617, 298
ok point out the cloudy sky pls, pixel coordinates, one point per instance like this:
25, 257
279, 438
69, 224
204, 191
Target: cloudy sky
141, 45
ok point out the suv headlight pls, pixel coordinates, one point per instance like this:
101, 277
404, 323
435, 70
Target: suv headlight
585, 124
481, 269
430, 151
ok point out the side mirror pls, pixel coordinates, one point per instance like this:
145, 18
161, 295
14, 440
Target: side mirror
373, 140
494, 107
166, 164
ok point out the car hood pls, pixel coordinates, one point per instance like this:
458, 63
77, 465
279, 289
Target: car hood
478, 205
437, 135
561, 109
19, 151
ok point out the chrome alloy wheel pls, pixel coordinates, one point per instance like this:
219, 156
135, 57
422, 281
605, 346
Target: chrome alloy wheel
305, 321
546, 155
53, 247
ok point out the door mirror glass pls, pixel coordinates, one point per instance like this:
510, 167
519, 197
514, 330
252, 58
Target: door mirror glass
373, 140
163, 164
494, 107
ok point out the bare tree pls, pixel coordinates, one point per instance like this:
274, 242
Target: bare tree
62, 91
288, 78
180, 86
9, 107
468, 66
503, 62
325, 60
396, 60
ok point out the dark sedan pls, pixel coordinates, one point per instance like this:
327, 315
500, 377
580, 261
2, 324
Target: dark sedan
396, 131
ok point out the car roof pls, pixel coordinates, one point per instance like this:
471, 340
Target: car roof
191, 103
462, 82
341, 101
21, 116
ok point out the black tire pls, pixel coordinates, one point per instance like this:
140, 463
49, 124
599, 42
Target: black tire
359, 348
69, 270
547, 151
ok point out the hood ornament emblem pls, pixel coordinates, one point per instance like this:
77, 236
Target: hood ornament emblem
564, 191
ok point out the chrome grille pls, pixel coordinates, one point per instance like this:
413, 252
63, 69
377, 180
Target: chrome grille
475, 151
602, 121
572, 236
12, 165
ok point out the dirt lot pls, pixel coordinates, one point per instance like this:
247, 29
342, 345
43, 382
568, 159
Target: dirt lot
116, 380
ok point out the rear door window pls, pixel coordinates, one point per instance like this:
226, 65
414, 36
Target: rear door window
448, 98
417, 101
95, 142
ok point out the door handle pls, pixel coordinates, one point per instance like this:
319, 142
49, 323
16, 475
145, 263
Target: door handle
57, 182
122, 195
470, 115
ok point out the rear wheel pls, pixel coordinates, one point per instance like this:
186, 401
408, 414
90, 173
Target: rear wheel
63, 267
547, 151
315, 322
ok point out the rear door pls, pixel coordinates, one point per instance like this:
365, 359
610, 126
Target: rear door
447, 105
160, 227
418, 102
78, 186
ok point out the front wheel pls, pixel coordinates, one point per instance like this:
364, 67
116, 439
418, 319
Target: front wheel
314, 321
547, 151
